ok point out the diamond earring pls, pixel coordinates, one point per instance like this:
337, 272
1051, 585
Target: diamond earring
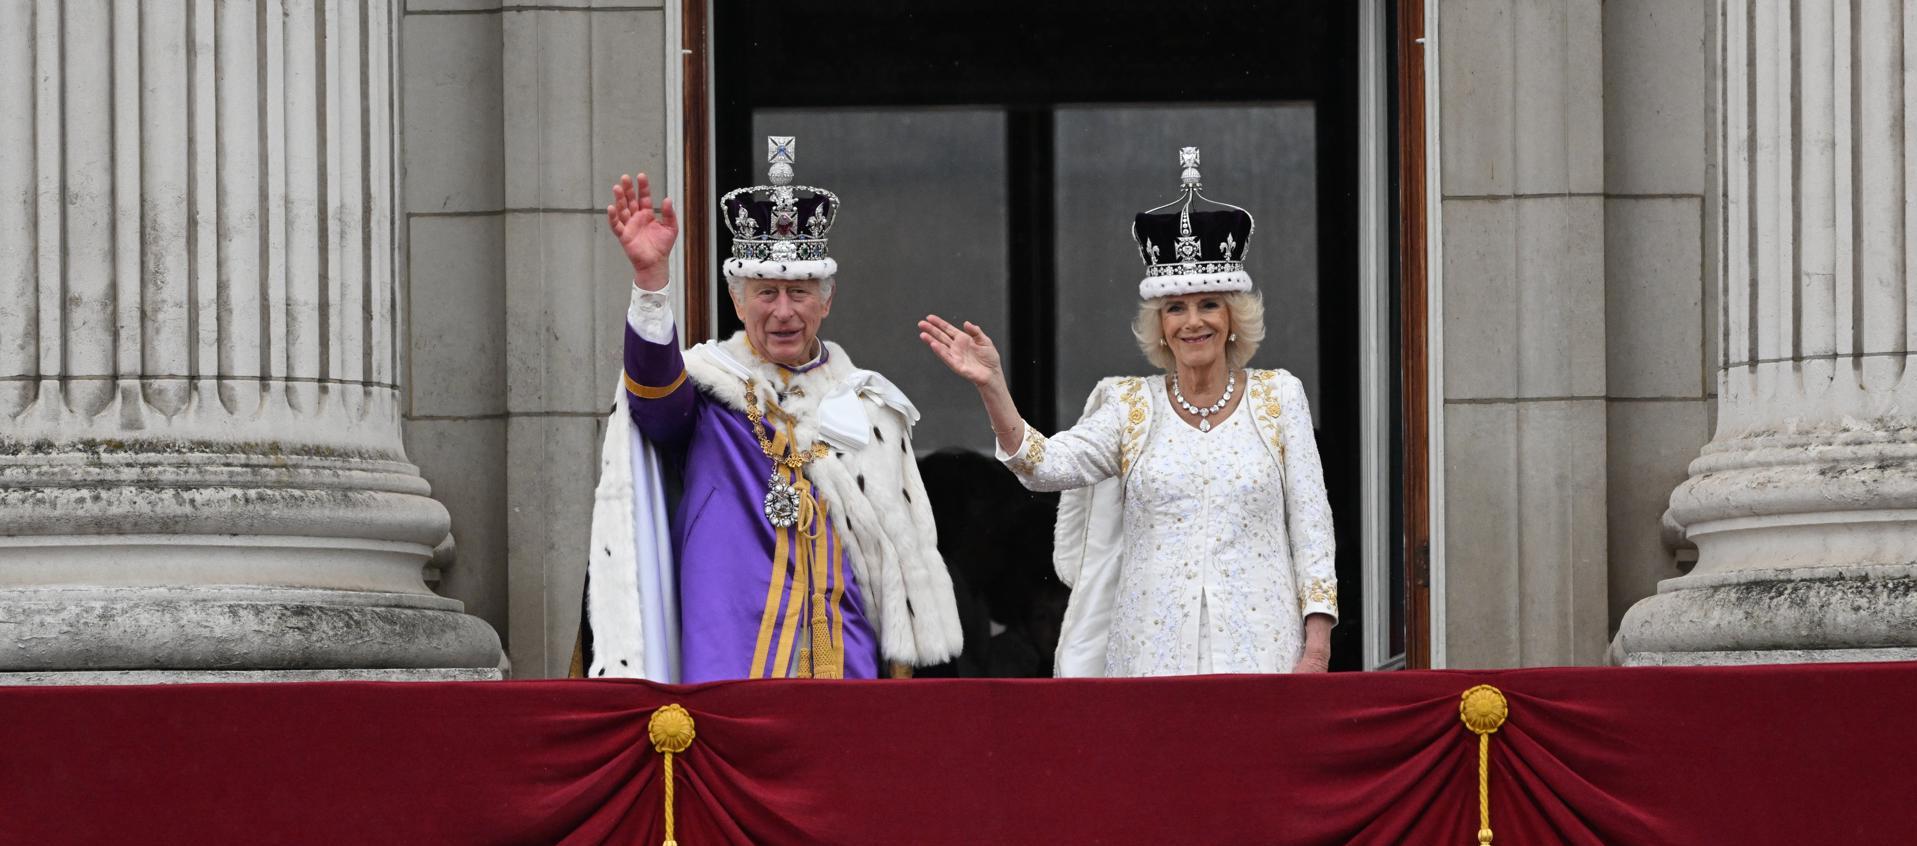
1233, 338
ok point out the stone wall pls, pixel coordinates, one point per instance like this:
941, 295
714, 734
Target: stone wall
517, 118
1525, 336
1660, 295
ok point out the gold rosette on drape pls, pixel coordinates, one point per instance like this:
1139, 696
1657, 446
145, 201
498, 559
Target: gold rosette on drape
1483, 711
672, 732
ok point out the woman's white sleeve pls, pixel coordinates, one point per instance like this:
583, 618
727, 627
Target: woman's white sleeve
1307, 509
1085, 454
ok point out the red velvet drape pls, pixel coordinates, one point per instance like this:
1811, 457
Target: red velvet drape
1797, 755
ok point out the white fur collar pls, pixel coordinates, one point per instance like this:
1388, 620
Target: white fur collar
870, 480
826, 398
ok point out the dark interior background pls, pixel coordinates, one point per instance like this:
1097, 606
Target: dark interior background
982, 147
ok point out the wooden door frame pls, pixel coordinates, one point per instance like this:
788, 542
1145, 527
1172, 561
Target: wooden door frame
696, 202
1414, 314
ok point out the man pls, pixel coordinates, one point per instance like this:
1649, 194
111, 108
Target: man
802, 544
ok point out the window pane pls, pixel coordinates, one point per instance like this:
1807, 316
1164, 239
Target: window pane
1113, 162
924, 231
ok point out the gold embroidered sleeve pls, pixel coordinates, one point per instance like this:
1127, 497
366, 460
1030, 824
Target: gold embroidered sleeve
1318, 596
1031, 453
1085, 454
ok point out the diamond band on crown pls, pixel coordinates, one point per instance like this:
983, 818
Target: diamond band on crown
806, 249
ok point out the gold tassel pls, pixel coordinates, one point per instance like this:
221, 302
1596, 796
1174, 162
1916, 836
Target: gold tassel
828, 656
822, 659
1483, 710
671, 731
823, 655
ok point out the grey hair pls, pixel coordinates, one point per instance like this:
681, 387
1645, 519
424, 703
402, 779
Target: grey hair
736, 285
1247, 309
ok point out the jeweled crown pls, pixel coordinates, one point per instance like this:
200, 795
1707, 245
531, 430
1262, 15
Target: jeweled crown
1192, 244
780, 222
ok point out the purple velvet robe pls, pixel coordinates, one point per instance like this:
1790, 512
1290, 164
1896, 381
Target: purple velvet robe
722, 543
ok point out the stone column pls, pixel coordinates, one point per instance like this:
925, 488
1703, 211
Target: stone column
1804, 505
200, 456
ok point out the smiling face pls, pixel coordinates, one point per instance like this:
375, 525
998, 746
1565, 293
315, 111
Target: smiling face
1195, 327
782, 317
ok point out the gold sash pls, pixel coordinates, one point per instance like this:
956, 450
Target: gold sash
810, 553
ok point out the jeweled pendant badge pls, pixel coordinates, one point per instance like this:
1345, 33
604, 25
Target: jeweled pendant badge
781, 503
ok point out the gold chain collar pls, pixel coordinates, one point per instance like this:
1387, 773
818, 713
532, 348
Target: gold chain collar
796, 459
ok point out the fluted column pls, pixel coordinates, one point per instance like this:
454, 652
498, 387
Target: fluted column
1804, 505
200, 457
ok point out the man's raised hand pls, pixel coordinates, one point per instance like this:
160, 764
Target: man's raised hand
646, 237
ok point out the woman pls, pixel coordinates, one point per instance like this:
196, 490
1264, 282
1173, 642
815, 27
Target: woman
1206, 545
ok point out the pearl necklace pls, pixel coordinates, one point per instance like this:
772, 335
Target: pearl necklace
1204, 414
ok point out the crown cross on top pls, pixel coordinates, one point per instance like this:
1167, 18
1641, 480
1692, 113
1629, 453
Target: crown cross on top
1188, 160
781, 152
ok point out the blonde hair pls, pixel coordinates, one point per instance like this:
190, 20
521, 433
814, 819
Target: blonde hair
1247, 309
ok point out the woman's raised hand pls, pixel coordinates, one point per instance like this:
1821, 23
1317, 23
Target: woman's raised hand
967, 351
646, 237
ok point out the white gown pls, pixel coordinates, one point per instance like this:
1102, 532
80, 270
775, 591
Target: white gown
1215, 548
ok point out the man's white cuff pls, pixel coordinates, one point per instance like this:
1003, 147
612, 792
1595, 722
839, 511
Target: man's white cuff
650, 314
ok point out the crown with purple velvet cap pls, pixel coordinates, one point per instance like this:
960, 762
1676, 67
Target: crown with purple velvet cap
778, 230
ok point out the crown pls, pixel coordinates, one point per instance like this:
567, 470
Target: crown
778, 230
1190, 248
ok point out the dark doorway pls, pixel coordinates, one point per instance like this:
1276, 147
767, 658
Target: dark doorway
991, 155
